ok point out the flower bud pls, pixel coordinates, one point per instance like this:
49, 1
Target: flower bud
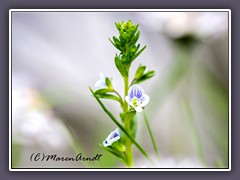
118, 146
124, 58
133, 49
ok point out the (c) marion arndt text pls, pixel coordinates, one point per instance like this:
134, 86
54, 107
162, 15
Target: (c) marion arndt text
55, 157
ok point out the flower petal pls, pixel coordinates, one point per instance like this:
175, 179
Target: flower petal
144, 100
135, 91
113, 140
106, 143
129, 100
112, 137
138, 109
101, 83
117, 131
103, 76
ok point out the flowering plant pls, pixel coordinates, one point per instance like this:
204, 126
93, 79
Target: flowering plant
120, 141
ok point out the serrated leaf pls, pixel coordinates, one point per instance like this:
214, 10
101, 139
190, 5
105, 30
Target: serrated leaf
120, 67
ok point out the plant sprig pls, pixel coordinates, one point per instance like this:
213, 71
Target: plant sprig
134, 98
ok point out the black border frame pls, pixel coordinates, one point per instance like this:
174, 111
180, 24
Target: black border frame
125, 10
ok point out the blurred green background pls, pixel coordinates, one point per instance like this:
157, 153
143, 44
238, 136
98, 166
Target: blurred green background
56, 56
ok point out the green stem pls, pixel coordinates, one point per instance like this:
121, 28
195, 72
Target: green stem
125, 107
133, 81
118, 96
128, 144
127, 123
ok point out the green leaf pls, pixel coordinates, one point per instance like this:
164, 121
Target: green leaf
130, 118
145, 77
133, 126
114, 44
135, 38
102, 91
115, 153
109, 84
140, 71
123, 37
119, 146
118, 26
138, 46
138, 53
120, 126
110, 96
124, 58
120, 67
132, 50
128, 115
134, 30
117, 42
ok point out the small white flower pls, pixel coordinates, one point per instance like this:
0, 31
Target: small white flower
112, 137
136, 97
101, 83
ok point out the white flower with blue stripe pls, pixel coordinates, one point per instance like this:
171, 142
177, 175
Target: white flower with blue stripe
112, 137
137, 98
101, 83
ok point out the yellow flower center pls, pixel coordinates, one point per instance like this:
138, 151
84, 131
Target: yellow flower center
135, 102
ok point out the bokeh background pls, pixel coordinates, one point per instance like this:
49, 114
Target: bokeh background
56, 56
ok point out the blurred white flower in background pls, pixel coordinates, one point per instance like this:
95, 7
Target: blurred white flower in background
176, 24
33, 122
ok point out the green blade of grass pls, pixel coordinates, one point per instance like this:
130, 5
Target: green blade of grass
150, 133
194, 132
